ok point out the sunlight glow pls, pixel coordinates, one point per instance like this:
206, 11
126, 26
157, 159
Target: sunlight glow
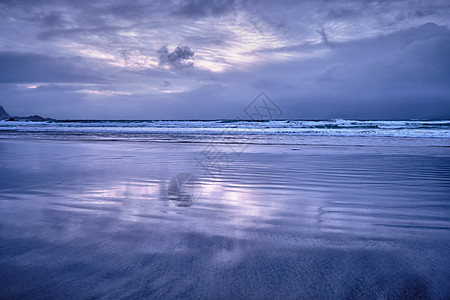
105, 93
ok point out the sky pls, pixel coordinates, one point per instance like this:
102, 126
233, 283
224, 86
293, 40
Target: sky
203, 59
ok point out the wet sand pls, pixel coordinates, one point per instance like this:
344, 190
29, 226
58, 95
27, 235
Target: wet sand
363, 218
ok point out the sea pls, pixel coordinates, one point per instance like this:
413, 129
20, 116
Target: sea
178, 129
225, 209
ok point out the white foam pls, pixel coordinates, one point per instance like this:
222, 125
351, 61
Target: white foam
407, 128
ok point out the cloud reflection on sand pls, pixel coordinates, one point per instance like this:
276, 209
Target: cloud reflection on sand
323, 220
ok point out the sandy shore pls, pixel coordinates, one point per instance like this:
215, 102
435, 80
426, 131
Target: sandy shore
324, 218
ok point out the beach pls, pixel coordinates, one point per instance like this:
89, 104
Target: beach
89, 215
226, 149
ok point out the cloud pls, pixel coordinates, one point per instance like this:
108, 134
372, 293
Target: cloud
200, 8
400, 75
381, 63
341, 13
180, 58
106, 92
324, 36
53, 20
165, 84
28, 67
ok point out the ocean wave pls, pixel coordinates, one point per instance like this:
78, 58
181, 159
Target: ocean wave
337, 127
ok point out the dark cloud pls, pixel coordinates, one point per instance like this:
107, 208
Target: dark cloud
200, 8
341, 13
318, 59
178, 59
26, 67
53, 20
165, 84
324, 36
400, 75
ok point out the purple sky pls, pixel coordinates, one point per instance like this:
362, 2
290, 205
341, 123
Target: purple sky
209, 59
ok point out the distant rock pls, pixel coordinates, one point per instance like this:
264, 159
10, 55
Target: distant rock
31, 118
3, 114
